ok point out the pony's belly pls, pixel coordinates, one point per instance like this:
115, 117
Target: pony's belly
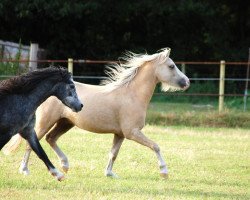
98, 128
97, 123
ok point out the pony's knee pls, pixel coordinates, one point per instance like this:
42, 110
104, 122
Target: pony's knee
50, 139
156, 148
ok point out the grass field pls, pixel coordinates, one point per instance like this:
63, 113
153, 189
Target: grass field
204, 163
194, 115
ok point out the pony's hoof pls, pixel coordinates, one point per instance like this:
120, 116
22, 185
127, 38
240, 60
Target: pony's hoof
111, 175
164, 176
61, 178
25, 172
65, 169
57, 174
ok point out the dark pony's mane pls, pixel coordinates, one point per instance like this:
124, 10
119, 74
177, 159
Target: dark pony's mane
27, 82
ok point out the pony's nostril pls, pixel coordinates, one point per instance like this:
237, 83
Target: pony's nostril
183, 83
81, 105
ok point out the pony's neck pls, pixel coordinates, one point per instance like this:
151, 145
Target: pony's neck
41, 93
144, 83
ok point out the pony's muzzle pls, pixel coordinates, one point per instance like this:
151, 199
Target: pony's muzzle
74, 103
184, 83
78, 108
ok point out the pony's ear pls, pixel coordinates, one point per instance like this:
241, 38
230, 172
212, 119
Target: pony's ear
164, 54
168, 51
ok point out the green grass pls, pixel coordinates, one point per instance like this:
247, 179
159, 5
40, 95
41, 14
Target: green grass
204, 115
204, 163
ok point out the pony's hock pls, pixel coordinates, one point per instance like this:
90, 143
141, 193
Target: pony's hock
117, 106
19, 98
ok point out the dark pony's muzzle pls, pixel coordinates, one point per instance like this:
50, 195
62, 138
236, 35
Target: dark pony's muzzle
184, 83
73, 103
78, 108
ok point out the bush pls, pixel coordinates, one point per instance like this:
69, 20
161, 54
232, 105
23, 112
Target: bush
8, 69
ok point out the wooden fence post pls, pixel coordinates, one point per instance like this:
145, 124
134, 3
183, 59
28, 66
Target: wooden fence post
33, 56
70, 65
247, 77
222, 85
183, 68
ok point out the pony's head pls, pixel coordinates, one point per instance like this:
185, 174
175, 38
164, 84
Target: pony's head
167, 72
64, 89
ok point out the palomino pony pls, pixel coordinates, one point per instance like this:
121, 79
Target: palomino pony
19, 98
118, 106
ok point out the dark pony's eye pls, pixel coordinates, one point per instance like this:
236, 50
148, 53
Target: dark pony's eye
171, 66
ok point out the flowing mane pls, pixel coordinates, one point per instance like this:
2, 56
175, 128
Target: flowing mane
121, 74
27, 82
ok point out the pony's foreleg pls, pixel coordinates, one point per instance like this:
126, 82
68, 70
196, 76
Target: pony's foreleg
23, 169
137, 136
117, 142
31, 137
61, 127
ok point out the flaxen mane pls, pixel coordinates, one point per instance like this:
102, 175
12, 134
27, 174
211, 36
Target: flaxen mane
123, 73
27, 82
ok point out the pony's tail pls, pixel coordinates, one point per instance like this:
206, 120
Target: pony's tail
12, 145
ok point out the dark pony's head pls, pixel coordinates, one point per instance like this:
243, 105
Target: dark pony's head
27, 82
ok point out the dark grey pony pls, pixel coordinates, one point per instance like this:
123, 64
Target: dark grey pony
21, 95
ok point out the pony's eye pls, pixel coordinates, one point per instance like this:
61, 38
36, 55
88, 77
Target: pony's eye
171, 66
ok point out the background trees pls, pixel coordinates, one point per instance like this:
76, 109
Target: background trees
196, 30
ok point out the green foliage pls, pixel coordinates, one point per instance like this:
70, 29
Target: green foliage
8, 69
105, 28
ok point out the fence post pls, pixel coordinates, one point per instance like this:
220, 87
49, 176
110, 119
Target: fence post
183, 68
70, 65
33, 56
222, 85
247, 77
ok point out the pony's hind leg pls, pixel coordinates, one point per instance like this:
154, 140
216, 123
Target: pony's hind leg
137, 136
61, 127
23, 169
117, 142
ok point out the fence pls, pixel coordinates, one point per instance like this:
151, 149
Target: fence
222, 65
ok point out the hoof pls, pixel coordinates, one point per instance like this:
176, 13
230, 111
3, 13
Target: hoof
25, 172
164, 176
65, 169
61, 178
57, 174
111, 175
